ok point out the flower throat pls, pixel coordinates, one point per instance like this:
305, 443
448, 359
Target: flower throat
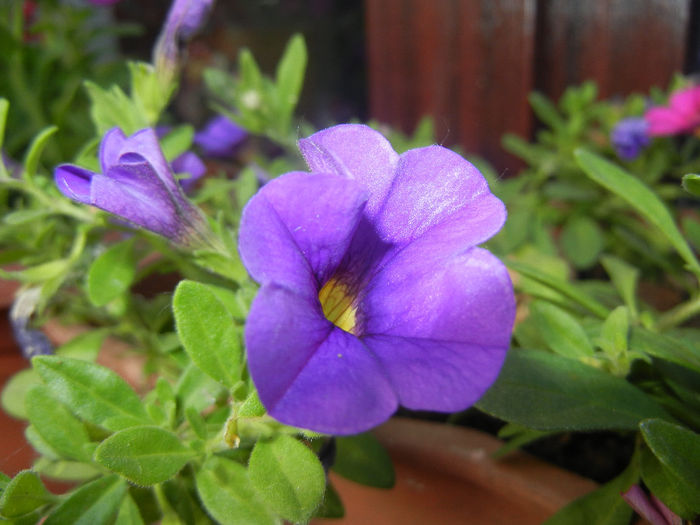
337, 304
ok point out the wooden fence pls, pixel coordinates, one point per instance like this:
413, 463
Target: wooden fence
471, 63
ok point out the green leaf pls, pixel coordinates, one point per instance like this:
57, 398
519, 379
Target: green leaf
691, 183
56, 425
639, 197
177, 141
362, 459
31, 160
84, 346
196, 422
95, 503
228, 496
668, 487
545, 110
603, 506
664, 347
676, 448
144, 455
93, 392
71, 471
332, 506
614, 332
544, 391
196, 389
129, 512
112, 108
147, 92
624, 277
111, 274
4, 108
560, 286
582, 241
208, 332
560, 330
24, 493
288, 477
290, 74
15, 391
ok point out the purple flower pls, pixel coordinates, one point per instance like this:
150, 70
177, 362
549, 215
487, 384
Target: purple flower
650, 508
373, 292
681, 116
629, 137
220, 136
136, 184
184, 20
190, 165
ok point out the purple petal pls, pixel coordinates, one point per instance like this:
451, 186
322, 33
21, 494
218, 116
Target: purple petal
357, 152
145, 143
639, 501
111, 148
74, 182
436, 188
310, 373
440, 325
189, 163
295, 230
220, 137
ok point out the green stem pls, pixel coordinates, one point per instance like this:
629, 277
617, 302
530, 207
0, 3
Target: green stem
679, 314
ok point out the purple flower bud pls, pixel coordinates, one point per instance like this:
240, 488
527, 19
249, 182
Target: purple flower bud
629, 137
192, 167
220, 136
651, 509
31, 342
136, 184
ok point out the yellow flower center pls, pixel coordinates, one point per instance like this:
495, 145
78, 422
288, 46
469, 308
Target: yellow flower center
337, 304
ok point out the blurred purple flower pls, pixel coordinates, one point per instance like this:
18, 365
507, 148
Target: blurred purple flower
136, 184
682, 115
629, 137
220, 136
184, 20
373, 293
650, 508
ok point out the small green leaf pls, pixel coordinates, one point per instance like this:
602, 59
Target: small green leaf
228, 496
111, 274
362, 459
71, 471
4, 108
545, 391
560, 330
560, 286
639, 197
624, 277
56, 425
24, 493
288, 477
691, 183
290, 74
196, 422
93, 392
666, 486
112, 108
603, 506
31, 160
208, 332
332, 506
665, 347
614, 333
582, 241
546, 111
15, 391
95, 503
129, 512
144, 455
196, 389
676, 448
84, 346
177, 141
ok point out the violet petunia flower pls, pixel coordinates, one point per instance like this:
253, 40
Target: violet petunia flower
136, 184
682, 115
220, 136
629, 137
650, 508
192, 167
184, 19
373, 291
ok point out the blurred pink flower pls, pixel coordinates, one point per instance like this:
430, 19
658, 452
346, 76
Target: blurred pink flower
682, 115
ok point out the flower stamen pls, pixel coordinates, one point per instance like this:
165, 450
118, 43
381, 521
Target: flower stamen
338, 305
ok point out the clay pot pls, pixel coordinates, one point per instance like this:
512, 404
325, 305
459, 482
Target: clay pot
445, 474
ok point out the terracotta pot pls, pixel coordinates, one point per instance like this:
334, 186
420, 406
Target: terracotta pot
445, 474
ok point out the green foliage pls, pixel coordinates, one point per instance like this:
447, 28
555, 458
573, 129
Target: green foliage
288, 477
111, 274
95, 503
362, 459
23, 494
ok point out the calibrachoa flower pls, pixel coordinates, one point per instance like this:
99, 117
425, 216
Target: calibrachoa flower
373, 292
136, 184
184, 20
220, 136
629, 137
191, 165
681, 116
650, 508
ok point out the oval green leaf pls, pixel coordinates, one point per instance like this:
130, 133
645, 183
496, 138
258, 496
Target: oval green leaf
144, 455
288, 477
561, 331
362, 459
95, 503
24, 493
111, 274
